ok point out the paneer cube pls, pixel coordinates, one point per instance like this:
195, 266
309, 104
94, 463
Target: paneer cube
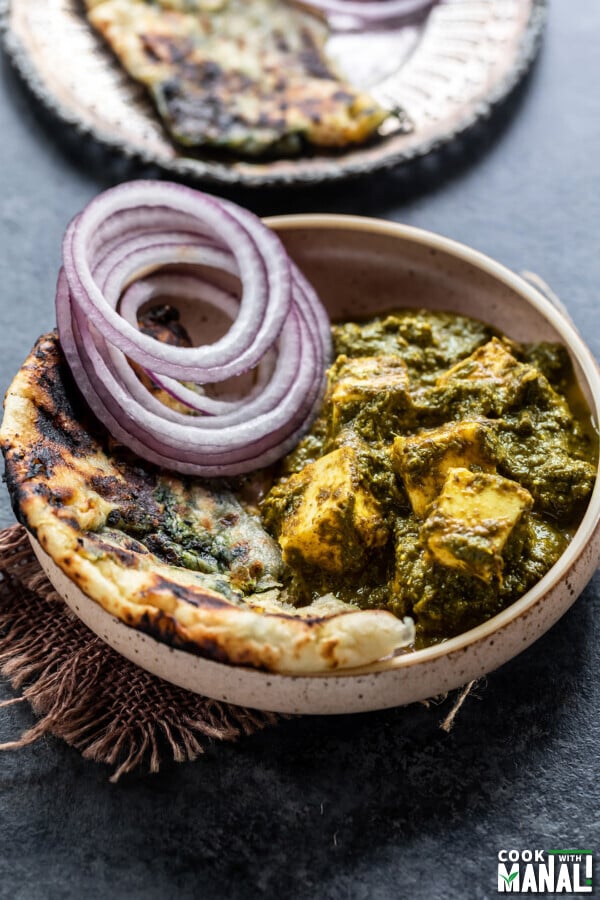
486, 383
369, 385
492, 362
423, 460
334, 520
470, 522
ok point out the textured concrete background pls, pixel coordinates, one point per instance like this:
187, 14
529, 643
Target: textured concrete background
376, 806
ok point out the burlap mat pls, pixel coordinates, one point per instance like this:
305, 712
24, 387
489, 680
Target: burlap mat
87, 694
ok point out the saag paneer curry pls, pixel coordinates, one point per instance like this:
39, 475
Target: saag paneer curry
444, 477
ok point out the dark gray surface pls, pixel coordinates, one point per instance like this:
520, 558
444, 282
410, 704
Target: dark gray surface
375, 806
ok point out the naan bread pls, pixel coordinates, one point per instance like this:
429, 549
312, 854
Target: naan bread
178, 558
248, 76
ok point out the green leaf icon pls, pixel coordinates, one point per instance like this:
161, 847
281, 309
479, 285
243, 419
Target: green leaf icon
509, 878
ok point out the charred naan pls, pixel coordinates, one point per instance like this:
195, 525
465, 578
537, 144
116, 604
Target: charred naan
248, 76
177, 558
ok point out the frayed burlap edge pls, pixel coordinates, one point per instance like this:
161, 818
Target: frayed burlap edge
84, 692
87, 694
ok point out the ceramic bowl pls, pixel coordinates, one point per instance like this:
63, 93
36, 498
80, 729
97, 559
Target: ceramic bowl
362, 267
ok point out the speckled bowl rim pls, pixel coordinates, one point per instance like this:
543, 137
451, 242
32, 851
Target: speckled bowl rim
558, 318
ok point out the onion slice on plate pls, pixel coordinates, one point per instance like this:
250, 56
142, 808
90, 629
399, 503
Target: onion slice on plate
367, 12
112, 256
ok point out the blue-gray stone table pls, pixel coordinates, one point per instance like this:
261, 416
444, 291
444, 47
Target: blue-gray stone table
383, 805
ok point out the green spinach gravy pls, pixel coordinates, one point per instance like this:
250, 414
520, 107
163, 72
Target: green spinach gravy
445, 475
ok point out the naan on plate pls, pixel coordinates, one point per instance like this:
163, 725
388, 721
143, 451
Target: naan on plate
247, 76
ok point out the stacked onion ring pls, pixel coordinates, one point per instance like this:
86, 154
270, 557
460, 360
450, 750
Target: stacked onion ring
364, 13
112, 253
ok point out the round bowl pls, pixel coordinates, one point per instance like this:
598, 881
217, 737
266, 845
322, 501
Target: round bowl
363, 267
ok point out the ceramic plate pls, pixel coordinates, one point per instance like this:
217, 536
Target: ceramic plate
362, 267
445, 73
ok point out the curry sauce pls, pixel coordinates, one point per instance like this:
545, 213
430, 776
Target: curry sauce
446, 473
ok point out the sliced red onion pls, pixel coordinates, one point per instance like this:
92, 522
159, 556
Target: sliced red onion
116, 410
183, 287
112, 256
186, 287
262, 264
368, 12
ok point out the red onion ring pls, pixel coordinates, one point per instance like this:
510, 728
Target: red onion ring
111, 254
190, 288
368, 12
262, 264
103, 404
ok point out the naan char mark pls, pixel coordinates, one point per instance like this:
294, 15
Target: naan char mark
248, 76
107, 521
